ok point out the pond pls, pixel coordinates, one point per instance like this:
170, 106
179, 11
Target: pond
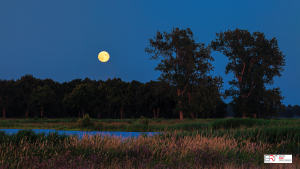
80, 134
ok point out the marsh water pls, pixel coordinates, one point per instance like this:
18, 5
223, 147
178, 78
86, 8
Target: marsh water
80, 134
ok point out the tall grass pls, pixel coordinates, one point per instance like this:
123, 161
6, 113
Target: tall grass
222, 143
160, 151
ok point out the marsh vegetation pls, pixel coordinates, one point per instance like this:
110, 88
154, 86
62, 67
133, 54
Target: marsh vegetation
202, 143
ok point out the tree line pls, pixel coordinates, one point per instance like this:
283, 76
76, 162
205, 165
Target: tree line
183, 89
113, 98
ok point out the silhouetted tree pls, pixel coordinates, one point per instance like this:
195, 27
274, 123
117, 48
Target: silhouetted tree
112, 82
296, 111
288, 112
42, 97
220, 111
265, 103
269, 101
104, 99
88, 80
81, 97
183, 59
281, 113
72, 85
120, 96
203, 97
6, 94
254, 60
100, 103
134, 108
153, 96
24, 87
57, 108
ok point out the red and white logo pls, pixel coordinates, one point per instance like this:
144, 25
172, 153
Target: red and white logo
278, 158
272, 157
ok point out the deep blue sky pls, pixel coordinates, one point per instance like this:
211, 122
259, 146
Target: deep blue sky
61, 39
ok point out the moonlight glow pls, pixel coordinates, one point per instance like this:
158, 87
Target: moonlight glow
103, 56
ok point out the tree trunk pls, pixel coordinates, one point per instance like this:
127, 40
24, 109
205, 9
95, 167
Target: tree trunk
82, 113
42, 111
157, 113
192, 114
121, 112
244, 115
179, 102
3, 113
26, 115
154, 112
99, 115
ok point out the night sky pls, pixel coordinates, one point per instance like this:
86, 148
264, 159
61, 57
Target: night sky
61, 39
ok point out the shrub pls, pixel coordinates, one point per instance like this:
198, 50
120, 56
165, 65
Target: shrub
122, 126
189, 119
144, 120
36, 118
44, 117
99, 126
73, 119
171, 121
86, 121
130, 121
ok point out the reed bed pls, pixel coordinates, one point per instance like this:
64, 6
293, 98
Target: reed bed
222, 143
168, 150
135, 124
287, 135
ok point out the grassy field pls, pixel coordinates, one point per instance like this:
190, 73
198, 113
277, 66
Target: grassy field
200, 143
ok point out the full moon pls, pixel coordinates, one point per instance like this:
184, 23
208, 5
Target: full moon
103, 56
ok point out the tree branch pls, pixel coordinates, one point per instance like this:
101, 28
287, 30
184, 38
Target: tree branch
185, 87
